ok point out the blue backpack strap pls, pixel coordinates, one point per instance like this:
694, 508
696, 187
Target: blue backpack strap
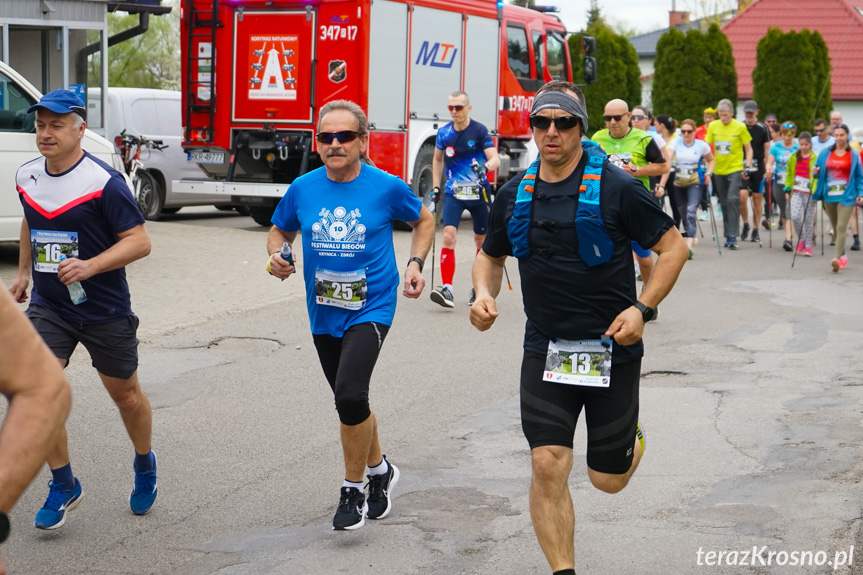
595, 247
519, 223
594, 244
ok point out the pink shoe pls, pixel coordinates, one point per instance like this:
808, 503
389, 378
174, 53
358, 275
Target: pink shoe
800, 247
843, 261
807, 252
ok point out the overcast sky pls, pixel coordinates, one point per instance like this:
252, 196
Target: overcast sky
641, 15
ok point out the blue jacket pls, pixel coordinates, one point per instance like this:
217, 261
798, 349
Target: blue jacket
855, 182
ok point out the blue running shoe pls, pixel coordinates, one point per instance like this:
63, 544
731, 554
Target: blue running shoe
60, 501
144, 494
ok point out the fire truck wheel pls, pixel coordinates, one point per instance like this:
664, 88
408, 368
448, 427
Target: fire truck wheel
150, 198
262, 215
422, 182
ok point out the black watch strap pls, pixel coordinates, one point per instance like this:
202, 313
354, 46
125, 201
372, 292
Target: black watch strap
647, 313
5, 527
419, 261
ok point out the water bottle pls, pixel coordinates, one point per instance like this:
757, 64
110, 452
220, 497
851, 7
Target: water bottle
76, 290
286, 253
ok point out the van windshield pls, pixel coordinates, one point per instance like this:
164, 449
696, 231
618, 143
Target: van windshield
13, 107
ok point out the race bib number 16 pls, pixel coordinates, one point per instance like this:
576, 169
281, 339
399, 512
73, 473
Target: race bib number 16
48, 245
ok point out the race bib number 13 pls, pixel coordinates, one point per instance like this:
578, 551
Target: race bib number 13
46, 247
585, 362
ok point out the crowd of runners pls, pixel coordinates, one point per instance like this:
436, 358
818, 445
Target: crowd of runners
575, 221
756, 178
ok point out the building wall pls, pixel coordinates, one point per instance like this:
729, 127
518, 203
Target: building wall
645, 64
65, 11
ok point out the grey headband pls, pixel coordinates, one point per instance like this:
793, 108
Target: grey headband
557, 100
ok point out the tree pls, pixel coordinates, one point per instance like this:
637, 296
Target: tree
821, 78
691, 72
720, 68
617, 68
791, 70
149, 60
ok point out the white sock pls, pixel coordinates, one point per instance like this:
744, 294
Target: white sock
379, 469
352, 484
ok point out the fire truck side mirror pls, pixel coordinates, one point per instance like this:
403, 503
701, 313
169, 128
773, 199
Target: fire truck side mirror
589, 70
588, 45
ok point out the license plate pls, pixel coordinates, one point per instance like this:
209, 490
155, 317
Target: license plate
206, 157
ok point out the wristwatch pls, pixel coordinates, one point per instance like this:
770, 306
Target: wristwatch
4, 526
647, 313
419, 262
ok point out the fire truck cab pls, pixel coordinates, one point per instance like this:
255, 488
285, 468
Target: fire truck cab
258, 71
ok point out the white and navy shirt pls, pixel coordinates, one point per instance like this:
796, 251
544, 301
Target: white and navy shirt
78, 213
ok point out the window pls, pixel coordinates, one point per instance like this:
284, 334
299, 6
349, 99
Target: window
13, 107
538, 53
556, 46
518, 53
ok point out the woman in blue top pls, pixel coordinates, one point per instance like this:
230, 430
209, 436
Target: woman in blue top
840, 187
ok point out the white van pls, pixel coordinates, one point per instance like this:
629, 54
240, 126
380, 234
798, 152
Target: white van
156, 115
18, 145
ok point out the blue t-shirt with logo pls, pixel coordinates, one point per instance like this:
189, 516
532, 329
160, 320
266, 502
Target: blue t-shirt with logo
349, 263
78, 213
460, 148
781, 154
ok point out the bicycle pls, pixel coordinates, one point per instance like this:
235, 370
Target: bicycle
144, 187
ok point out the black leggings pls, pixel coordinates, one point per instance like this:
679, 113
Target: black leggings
348, 362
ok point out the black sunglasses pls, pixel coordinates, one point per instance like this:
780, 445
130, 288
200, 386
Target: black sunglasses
456, 108
636, 117
615, 117
686, 131
561, 123
342, 137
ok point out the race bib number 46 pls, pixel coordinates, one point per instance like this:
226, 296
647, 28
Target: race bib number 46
347, 290
584, 362
46, 247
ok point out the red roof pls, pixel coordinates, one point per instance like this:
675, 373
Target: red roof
840, 22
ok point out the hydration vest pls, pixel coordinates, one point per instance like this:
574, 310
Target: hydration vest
595, 246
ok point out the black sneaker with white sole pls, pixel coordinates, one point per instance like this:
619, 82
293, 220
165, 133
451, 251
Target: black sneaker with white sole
380, 492
472, 297
442, 296
352, 510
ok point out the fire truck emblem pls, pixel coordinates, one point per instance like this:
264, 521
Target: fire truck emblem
339, 225
338, 71
274, 75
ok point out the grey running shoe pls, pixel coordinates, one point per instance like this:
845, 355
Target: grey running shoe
380, 492
442, 296
351, 513
472, 297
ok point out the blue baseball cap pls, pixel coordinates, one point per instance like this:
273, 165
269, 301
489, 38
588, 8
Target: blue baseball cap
61, 102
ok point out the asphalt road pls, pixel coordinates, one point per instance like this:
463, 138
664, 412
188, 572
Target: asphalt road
750, 397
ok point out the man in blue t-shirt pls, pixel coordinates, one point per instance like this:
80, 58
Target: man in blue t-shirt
81, 228
465, 148
345, 211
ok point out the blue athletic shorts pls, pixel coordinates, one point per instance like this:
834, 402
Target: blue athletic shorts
640, 251
453, 208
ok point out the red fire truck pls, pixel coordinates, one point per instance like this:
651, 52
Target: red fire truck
257, 72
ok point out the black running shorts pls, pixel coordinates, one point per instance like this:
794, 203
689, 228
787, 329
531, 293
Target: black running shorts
113, 346
549, 413
348, 362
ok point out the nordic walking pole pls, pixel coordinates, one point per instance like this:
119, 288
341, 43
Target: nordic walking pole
434, 237
713, 225
799, 235
770, 207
